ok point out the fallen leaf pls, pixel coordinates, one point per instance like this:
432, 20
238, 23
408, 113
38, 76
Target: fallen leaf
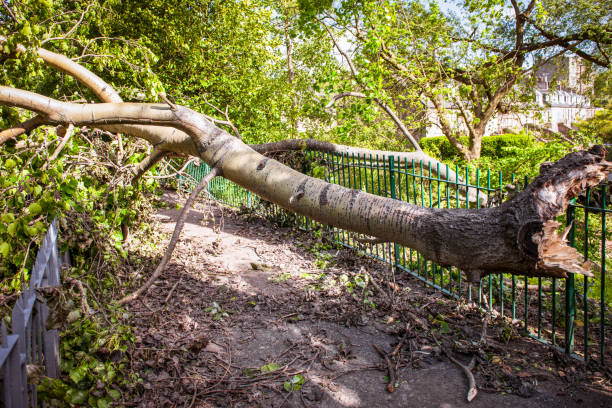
213, 348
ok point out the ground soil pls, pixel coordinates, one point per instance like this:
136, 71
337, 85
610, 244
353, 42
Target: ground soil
246, 306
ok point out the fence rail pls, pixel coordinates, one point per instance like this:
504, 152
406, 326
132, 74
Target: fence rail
572, 314
30, 343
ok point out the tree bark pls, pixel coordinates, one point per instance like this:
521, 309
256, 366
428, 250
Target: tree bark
518, 237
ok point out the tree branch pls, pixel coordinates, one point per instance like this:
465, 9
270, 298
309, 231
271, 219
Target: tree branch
22, 128
565, 42
380, 103
68, 131
175, 237
9, 11
145, 165
174, 139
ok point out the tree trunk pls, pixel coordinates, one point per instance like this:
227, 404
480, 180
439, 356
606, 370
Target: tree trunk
476, 142
519, 237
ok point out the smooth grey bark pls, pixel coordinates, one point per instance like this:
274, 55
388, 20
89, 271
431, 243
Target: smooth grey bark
519, 237
442, 171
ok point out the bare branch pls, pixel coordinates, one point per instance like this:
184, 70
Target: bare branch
9, 11
176, 173
78, 23
148, 162
342, 95
226, 122
175, 237
19, 130
566, 42
68, 131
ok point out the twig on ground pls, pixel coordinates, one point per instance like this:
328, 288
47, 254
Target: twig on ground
374, 283
195, 394
417, 320
84, 305
391, 384
467, 370
402, 341
172, 291
483, 333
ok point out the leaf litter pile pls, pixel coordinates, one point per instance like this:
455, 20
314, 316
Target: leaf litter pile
249, 314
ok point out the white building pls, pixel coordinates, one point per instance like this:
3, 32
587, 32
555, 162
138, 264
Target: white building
560, 102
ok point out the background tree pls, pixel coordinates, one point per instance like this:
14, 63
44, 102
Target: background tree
476, 60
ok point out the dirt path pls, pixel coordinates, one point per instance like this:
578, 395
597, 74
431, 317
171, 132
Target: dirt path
245, 307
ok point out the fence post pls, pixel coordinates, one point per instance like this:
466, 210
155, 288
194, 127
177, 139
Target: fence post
14, 392
570, 298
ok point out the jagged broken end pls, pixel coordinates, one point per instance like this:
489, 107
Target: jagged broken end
555, 257
565, 179
553, 190
472, 394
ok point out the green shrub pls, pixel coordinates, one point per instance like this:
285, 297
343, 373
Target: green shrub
492, 146
520, 154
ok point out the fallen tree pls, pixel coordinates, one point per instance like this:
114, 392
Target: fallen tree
519, 237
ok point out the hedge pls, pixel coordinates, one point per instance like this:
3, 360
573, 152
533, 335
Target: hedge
492, 146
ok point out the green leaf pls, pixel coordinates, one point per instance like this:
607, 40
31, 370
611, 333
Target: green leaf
269, 367
73, 316
75, 396
8, 217
34, 209
78, 374
114, 394
294, 384
5, 248
12, 229
104, 403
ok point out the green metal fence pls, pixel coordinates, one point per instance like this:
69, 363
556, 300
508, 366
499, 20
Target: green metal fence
572, 314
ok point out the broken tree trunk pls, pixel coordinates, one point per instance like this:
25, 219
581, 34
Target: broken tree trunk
518, 237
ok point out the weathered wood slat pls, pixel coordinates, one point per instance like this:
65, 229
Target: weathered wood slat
30, 341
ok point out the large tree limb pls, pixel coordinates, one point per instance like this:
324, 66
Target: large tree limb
173, 139
516, 237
